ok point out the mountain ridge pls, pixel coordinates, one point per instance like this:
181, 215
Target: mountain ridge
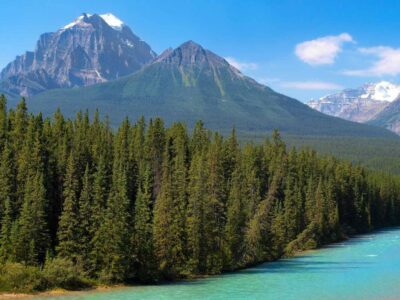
389, 117
190, 83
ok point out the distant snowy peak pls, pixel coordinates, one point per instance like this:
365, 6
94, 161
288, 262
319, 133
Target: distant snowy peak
109, 18
381, 91
360, 104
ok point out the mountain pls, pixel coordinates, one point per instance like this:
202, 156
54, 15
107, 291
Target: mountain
361, 104
91, 49
190, 83
389, 117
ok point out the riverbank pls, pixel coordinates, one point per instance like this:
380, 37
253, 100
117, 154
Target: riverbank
61, 292
344, 270
110, 288
102, 287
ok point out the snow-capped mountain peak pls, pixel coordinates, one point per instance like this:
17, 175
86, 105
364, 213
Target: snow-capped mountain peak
93, 48
381, 91
75, 22
359, 104
109, 18
112, 21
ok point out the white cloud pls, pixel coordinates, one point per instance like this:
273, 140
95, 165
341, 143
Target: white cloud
322, 51
242, 66
311, 85
388, 62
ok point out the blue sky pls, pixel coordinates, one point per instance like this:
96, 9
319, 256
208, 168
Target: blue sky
304, 49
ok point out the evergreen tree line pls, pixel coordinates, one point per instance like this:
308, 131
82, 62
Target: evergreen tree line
145, 202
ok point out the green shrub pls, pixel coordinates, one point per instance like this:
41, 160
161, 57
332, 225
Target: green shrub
15, 277
63, 273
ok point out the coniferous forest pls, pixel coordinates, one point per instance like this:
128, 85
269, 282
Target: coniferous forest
81, 202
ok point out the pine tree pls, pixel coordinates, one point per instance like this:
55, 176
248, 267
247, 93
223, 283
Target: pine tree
214, 208
6, 245
99, 203
69, 231
7, 181
100, 194
235, 221
195, 219
19, 127
200, 138
31, 237
320, 217
230, 158
292, 209
169, 211
258, 239
137, 146
252, 176
3, 121
112, 240
154, 145
143, 231
85, 218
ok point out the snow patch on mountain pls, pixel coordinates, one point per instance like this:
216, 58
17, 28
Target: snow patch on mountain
111, 20
360, 104
381, 91
75, 22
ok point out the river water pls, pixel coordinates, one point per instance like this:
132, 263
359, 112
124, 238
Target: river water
364, 267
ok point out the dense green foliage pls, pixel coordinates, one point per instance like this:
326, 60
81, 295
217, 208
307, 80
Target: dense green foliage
81, 201
376, 153
374, 149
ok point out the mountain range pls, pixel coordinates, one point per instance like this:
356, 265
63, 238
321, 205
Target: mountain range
97, 62
373, 103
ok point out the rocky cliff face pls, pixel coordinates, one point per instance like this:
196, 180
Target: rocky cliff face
361, 104
91, 49
389, 117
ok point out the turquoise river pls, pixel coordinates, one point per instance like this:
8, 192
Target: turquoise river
364, 267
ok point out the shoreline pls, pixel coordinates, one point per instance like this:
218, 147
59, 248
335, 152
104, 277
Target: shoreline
60, 292
103, 288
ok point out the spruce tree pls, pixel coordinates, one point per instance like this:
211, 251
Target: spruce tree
235, 220
85, 218
100, 193
258, 238
19, 127
69, 231
169, 211
195, 219
6, 245
143, 242
31, 237
112, 240
154, 145
214, 208
3, 121
7, 182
